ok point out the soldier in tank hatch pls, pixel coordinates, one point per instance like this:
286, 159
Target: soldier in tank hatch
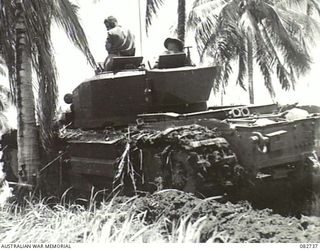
173, 45
119, 42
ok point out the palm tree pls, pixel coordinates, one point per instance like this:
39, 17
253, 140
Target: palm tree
264, 31
154, 5
301, 12
25, 46
248, 31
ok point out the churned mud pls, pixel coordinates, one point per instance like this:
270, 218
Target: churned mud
234, 222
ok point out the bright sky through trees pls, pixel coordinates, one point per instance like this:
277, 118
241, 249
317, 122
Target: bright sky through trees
73, 68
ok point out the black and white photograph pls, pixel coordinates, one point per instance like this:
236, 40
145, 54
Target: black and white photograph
157, 121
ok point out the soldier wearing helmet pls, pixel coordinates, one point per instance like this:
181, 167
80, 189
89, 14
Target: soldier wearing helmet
119, 42
173, 45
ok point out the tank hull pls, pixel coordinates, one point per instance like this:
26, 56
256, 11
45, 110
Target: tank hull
290, 157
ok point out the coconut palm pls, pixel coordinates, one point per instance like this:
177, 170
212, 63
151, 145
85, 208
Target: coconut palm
248, 31
229, 30
301, 12
25, 40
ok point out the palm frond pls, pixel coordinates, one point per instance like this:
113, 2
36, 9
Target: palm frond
300, 4
218, 79
6, 98
202, 9
279, 37
222, 77
265, 62
3, 123
242, 70
208, 4
227, 71
223, 44
299, 24
47, 95
254, 27
205, 35
2, 66
283, 75
292, 51
220, 31
66, 15
304, 6
316, 6
7, 41
203, 20
226, 45
152, 8
292, 77
5, 102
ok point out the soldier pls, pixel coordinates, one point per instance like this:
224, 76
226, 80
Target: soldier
120, 41
173, 45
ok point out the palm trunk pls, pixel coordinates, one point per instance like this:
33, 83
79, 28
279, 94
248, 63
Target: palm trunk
181, 30
250, 68
27, 138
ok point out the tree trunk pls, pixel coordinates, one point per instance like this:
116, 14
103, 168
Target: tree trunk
250, 68
27, 135
181, 30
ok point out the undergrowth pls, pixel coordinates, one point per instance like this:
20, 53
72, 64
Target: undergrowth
37, 222
166, 216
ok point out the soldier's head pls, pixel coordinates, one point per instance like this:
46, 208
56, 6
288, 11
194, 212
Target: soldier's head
173, 44
110, 22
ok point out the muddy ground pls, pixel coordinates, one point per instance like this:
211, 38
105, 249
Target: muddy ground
234, 222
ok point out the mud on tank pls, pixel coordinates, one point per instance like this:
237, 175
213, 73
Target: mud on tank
136, 129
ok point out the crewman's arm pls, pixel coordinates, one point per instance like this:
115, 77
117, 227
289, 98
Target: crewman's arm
108, 44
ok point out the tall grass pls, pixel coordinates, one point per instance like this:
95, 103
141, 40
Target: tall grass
38, 223
166, 216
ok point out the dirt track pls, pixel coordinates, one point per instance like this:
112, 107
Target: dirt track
235, 222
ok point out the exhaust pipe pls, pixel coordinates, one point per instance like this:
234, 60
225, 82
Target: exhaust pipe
236, 112
245, 112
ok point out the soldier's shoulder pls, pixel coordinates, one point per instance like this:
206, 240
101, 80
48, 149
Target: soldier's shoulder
116, 30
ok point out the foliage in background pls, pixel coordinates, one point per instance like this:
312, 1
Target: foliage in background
254, 30
266, 32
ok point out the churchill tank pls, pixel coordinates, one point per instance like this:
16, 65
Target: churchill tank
135, 130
